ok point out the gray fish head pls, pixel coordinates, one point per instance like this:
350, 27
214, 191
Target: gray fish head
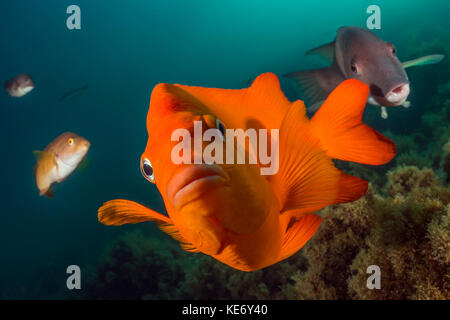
360, 54
19, 86
24, 81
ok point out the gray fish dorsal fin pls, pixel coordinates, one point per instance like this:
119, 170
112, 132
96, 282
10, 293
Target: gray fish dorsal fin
422, 61
325, 51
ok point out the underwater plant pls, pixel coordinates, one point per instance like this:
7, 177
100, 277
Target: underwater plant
137, 266
445, 161
140, 267
210, 279
406, 233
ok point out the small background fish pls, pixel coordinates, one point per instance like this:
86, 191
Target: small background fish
19, 86
74, 92
58, 160
123, 50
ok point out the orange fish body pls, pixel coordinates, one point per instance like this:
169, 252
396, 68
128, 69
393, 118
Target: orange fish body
231, 211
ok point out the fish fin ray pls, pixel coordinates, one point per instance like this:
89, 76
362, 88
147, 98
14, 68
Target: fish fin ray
172, 231
263, 98
325, 51
118, 212
266, 91
315, 85
307, 179
350, 188
298, 234
45, 161
189, 247
49, 193
309, 85
39, 154
423, 61
313, 109
338, 124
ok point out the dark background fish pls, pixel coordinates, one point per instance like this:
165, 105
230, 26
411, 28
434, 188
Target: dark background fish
74, 92
359, 53
19, 85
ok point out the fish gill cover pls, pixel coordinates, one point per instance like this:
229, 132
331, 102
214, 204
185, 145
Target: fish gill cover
122, 51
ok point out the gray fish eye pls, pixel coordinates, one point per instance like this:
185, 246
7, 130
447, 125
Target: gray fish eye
147, 170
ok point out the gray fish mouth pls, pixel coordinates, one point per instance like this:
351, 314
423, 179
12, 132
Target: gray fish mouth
399, 94
395, 97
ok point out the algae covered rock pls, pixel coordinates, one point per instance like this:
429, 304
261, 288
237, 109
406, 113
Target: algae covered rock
405, 233
140, 267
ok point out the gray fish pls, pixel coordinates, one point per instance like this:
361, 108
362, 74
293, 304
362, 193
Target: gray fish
73, 93
360, 54
19, 86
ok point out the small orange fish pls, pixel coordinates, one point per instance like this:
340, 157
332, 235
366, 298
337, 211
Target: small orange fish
58, 160
230, 211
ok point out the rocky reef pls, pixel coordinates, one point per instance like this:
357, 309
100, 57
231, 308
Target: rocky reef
139, 266
155, 267
406, 234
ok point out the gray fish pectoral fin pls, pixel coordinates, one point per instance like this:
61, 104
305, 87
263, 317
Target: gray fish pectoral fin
384, 113
406, 104
422, 61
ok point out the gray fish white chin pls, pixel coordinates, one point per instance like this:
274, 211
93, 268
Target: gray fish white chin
396, 97
19, 86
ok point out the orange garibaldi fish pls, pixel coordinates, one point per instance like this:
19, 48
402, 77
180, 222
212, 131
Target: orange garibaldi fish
230, 211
